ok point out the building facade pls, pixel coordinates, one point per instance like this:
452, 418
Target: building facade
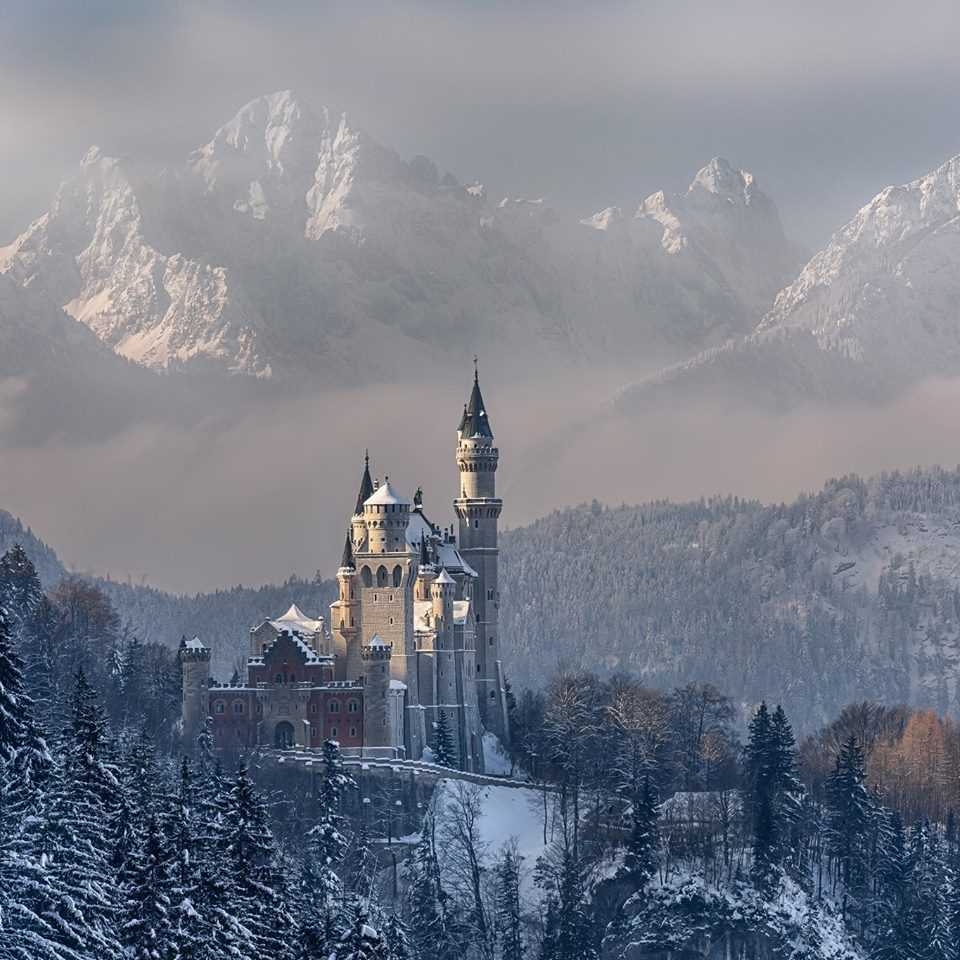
412, 633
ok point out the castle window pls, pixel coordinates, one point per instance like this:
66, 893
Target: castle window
334, 706
333, 732
259, 707
353, 706
366, 576
478, 668
493, 695
314, 708
397, 575
238, 706
381, 576
353, 731
278, 678
293, 678
489, 594
219, 707
491, 642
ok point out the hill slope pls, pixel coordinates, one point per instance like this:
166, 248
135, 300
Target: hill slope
845, 595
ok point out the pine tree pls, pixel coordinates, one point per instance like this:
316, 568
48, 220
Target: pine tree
443, 750
850, 810
396, 939
361, 941
148, 933
641, 856
429, 910
69, 893
20, 589
508, 914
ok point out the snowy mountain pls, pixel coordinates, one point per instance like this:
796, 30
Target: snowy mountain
294, 243
875, 310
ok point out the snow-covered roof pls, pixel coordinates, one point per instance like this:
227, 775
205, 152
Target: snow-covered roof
418, 528
450, 558
309, 653
378, 641
445, 578
385, 494
397, 685
461, 610
296, 619
195, 644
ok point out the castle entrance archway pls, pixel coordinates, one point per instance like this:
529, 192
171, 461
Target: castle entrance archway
283, 735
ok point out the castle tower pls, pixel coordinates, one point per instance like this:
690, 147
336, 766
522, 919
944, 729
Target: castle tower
377, 720
478, 510
345, 618
387, 569
194, 660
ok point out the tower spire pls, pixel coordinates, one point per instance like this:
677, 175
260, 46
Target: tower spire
346, 561
475, 422
366, 485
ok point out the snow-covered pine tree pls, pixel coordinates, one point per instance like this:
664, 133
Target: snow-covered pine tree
443, 750
68, 896
258, 884
396, 939
641, 856
361, 941
850, 810
20, 589
508, 910
148, 931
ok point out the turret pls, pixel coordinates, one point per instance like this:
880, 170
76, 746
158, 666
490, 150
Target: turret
442, 593
345, 618
386, 515
478, 510
377, 725
194, 660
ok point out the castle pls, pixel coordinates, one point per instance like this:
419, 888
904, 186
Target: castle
412, 634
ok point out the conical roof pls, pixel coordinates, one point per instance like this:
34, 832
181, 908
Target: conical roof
366, 485
475, 422
346, 561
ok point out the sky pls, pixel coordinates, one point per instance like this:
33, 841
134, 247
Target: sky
586, 104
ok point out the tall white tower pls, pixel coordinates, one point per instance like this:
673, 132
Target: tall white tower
478, 510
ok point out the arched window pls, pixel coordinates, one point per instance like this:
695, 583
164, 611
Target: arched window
238, 706
493, 695
219, 707
334, 706
366, 576
353, 731
278, 678
381, 576
353, 706
333, 733
397, 575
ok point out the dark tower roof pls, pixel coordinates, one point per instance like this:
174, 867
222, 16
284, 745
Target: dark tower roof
347, 559
424, 553
366, 485
475, 422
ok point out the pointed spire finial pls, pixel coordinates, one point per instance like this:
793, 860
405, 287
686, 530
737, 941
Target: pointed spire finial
476, 369
366, 457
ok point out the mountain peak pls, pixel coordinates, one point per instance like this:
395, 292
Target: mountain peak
718, 178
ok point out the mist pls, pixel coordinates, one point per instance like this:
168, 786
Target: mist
268, 493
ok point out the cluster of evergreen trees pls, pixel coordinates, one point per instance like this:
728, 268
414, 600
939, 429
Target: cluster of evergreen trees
110, 847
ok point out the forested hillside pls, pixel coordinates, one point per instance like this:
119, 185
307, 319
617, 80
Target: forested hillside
844, 595
847, 594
